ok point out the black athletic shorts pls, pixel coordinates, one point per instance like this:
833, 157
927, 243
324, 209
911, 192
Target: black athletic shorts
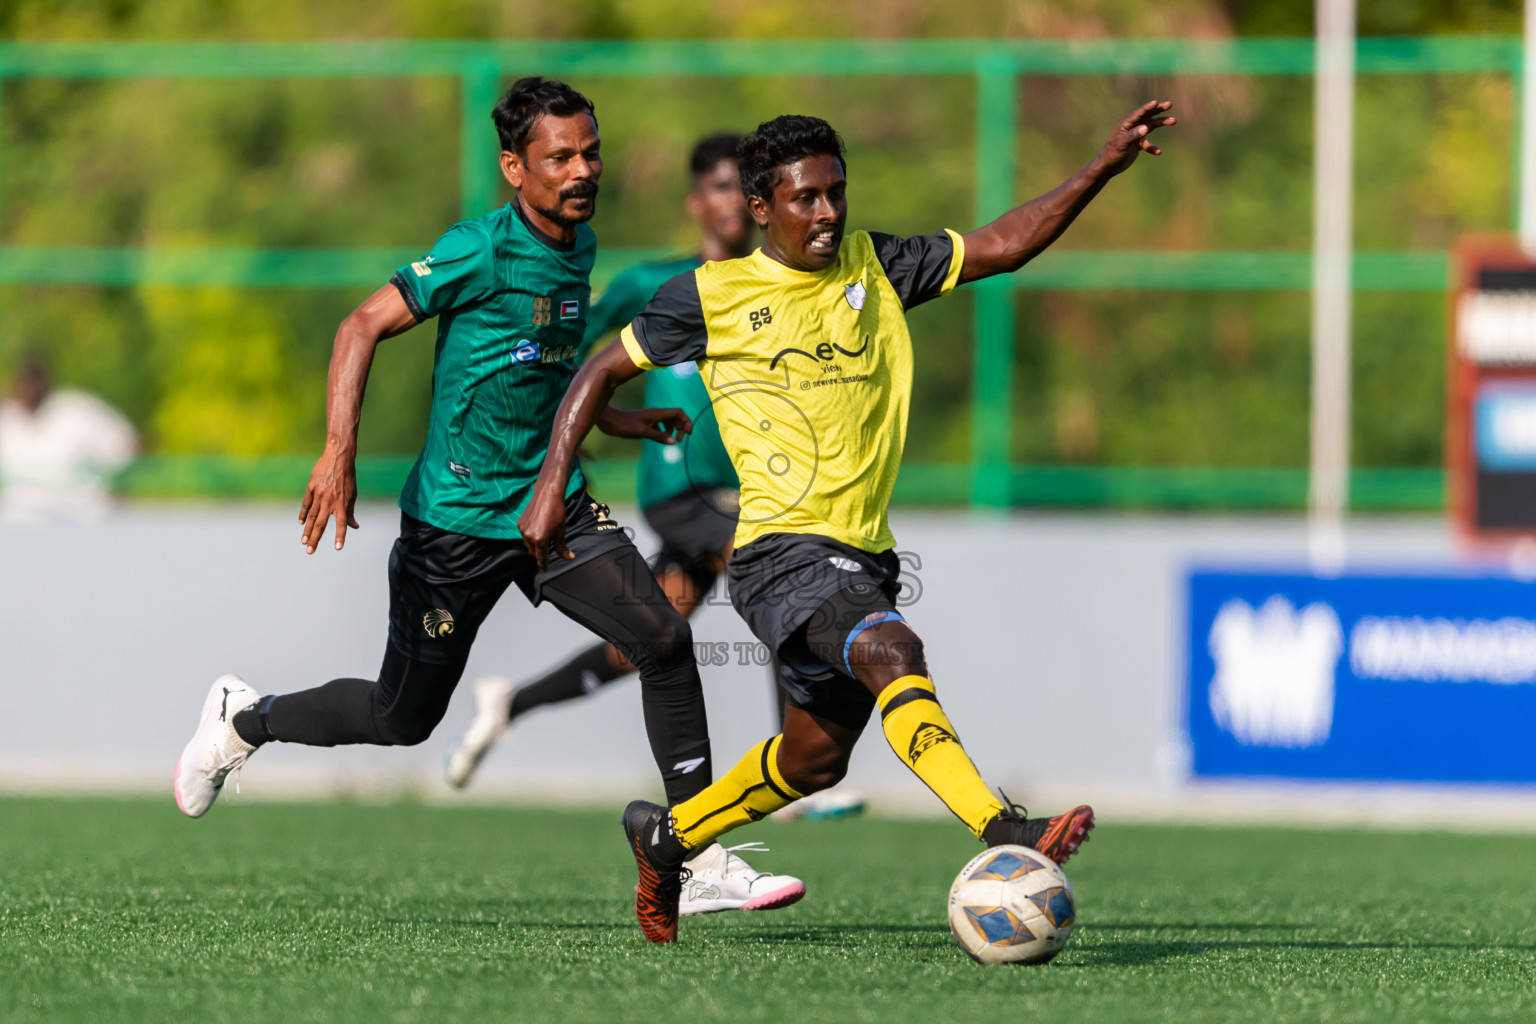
442, 585
695, 528
782, 581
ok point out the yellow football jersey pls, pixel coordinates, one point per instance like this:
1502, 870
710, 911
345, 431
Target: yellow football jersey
809, 375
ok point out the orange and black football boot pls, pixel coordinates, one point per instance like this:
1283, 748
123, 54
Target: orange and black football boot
1058, 838
659, 857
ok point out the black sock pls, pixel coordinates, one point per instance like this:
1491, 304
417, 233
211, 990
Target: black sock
400, 709
576, 678
251, 722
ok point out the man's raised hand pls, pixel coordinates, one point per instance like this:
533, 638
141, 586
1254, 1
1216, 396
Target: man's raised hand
332, 492
1129, 139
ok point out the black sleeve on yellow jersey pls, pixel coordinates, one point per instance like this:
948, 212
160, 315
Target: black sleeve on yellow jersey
917, 267
670, 329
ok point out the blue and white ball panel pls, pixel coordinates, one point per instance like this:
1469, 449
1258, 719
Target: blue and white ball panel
1011, 904
998, 926
1005, 865
1056, 905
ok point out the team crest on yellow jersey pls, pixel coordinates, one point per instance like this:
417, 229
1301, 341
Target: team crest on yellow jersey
855, 294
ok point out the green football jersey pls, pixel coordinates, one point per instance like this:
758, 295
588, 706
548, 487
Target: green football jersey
511, 306
667, 470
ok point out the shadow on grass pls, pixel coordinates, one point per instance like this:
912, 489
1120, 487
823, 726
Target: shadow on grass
449, 922
829, 933
1106, 951
1118, 953
1196, 926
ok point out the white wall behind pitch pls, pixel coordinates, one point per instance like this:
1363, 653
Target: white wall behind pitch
1054, 641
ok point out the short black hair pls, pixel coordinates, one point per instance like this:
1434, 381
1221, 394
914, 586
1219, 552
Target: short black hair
527, 101
782, 141
710, 150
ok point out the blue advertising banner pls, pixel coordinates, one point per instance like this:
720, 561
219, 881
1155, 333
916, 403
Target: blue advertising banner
1415, 678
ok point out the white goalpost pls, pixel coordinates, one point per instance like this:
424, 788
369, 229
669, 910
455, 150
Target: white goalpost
1332, 246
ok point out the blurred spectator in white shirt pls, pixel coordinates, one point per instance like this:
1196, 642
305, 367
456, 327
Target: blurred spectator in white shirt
58, 450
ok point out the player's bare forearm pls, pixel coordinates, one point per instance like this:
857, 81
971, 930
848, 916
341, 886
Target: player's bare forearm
664, 426
1026, 231
332, 490
345, 385
585, 403
542, 523
383, 314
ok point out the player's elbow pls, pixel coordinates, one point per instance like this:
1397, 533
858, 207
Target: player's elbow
996, 253
359, 332
595, 378
1015, 251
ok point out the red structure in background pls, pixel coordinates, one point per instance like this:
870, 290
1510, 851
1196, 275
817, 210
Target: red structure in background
1490, 442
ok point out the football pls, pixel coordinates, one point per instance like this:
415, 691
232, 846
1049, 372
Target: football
1011, 905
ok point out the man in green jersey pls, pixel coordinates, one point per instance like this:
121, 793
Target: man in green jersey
687, 491
510, 292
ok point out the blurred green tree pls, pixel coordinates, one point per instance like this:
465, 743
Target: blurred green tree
1193, 378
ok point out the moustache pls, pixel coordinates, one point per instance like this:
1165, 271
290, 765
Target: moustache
580, 190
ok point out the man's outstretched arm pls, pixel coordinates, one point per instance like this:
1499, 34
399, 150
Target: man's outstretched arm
1024, 232
332, 489
542, 523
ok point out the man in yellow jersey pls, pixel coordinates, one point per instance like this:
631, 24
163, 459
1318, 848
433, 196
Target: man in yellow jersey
804, 348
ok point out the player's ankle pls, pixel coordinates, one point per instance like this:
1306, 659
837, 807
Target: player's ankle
251, 725
669, 848
1002, 829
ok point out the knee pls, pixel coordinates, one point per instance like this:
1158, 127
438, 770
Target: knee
878, 661
394, 733
398, 730
674, 631
812, 771
669, 645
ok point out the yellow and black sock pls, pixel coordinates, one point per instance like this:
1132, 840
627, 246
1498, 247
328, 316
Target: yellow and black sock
748, 792
920, 733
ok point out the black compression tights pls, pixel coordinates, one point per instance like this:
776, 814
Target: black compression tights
411, 697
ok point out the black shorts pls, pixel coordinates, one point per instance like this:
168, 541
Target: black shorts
696, 528
442, 585
780, 582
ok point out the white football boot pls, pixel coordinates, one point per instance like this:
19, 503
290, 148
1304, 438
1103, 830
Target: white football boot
493, 703
216, 749
715, 879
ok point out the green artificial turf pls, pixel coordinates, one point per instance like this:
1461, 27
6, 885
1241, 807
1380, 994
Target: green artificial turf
122, 910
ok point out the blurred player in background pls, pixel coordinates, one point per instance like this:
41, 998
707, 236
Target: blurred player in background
688, 492
59, 450
805, 349
510, 293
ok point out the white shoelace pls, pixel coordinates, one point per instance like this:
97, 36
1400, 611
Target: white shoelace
730, 854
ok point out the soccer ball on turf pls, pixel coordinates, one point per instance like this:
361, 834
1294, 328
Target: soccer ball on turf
1011, 905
